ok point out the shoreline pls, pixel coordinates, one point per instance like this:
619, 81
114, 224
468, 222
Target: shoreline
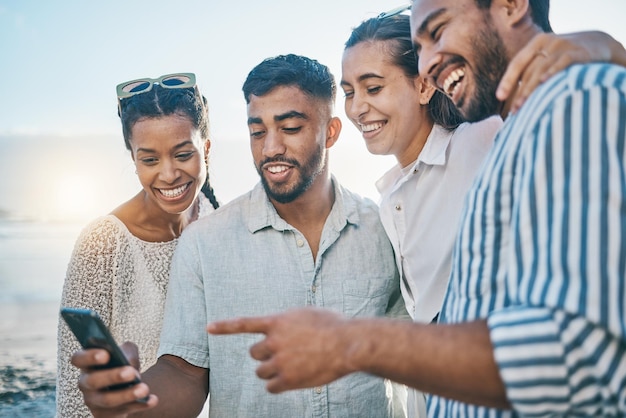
28, 358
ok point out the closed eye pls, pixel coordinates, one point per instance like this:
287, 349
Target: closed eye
149, 160
183, 156
436, 32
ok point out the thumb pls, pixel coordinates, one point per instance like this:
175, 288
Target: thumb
131, 352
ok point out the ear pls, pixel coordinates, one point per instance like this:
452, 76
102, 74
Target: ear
425, 89
332, 131
207, 147
510, 11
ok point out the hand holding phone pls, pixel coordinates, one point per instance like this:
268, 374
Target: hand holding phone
91, 332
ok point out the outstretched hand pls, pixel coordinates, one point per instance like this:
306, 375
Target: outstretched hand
94, 383
302, 348
547, 54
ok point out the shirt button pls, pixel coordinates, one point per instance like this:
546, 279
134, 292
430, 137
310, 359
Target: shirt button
313, 289
300, 243
398, 207
318, 390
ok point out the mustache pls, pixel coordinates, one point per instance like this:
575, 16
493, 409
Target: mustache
442, 66
279, 160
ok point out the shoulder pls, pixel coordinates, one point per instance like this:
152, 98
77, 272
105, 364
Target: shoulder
357, 208
477, 135
103, 228
485, 127
349, 197
220, 218
573, 83
579, 92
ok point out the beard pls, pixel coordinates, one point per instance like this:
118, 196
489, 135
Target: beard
285, 193
491, 62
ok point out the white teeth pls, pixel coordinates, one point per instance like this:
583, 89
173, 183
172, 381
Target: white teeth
170, 193
452, 79
371, 126
274, 169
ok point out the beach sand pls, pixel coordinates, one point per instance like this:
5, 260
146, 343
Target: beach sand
28, 358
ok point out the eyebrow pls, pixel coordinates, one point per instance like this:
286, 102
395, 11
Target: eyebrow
177, 146
363, 77
424, 26
292, 114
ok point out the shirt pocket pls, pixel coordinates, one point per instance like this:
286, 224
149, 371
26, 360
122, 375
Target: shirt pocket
366, 296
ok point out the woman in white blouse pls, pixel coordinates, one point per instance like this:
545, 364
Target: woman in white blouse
120, 263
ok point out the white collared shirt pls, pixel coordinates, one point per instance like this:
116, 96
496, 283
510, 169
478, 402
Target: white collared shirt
420, 208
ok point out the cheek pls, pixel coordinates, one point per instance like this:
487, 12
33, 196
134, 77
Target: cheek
145, 176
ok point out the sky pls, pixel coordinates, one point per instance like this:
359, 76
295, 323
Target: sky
61, 61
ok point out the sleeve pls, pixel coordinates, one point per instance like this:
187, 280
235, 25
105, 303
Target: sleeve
560, 346
184, 321
88, 284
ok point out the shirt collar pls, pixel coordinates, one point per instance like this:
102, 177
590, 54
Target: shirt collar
262, 214
434, 153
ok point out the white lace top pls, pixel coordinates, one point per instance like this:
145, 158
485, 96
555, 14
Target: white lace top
124, 279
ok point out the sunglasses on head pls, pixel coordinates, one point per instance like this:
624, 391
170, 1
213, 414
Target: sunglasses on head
143, 85
394, 12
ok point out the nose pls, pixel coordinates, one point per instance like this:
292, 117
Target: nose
273, 144
428, 62
356, 106
169, 171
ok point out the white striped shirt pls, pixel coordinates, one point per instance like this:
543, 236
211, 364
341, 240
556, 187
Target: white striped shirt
541, 252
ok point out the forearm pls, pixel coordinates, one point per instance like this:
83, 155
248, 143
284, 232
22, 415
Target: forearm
447, 360
181, 388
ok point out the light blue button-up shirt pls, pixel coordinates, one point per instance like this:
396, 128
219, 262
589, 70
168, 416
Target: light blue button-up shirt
245, 260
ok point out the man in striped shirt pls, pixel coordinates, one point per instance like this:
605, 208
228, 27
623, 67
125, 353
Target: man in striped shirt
534, 322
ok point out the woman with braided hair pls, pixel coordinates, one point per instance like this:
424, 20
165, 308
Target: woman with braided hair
121, 261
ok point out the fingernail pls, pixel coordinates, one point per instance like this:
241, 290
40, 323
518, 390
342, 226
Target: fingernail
139, 391
127, 374
99, 356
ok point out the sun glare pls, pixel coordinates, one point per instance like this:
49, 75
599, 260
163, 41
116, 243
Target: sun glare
74, 198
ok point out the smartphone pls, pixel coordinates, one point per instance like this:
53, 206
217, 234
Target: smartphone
91, 332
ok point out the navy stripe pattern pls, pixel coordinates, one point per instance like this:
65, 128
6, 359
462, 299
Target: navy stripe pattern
541, 253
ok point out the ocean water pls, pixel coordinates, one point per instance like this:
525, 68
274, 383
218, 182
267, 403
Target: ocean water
33, 259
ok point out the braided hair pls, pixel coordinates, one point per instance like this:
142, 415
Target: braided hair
158, 102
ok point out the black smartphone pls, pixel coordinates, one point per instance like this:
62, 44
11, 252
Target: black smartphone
91, 332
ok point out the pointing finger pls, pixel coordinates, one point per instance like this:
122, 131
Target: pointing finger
239, 325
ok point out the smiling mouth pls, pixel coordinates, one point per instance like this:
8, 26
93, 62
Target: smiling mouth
452, 82
369, 127
172, 193
276, 169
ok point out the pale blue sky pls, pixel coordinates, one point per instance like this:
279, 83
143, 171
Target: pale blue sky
62, 59
60, 62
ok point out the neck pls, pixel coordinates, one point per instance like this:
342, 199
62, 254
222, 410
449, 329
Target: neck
308, 213
171, 225
312, 207
415, 147
518, 39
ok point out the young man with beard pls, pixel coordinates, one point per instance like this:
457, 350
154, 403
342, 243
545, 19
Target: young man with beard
534, 320
297, 239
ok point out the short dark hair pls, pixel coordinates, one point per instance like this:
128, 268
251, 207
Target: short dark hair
313, 78
539, 9
395, 31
